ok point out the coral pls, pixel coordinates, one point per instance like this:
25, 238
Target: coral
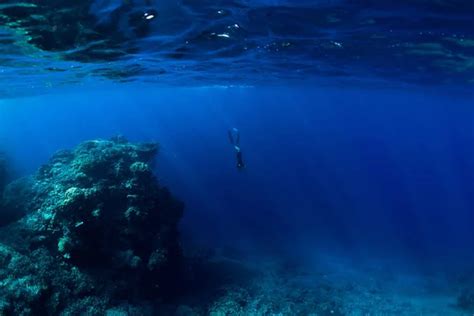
35, 284
275, 295
97, 227
9, 212
3, 172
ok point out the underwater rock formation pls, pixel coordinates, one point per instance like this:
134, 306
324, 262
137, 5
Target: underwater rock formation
97, 229
5, 177
3, 173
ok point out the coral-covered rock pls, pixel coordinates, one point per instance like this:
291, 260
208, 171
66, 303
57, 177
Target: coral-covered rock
10, 213
35, 284
100, 210
3, 172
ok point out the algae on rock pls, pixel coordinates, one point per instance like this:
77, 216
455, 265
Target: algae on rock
96, 214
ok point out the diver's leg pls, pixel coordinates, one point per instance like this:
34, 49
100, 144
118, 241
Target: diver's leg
237, 139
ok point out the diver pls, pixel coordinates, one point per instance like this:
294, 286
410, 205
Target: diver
234, 138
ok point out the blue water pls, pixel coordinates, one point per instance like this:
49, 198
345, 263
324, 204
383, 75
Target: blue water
385, 172
356, 122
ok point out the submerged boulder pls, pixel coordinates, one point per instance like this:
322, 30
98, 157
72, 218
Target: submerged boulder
96, 212
3, 172
7, 214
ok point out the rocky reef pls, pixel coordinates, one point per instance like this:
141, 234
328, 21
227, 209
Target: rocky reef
92, 232
3, 172
97, 234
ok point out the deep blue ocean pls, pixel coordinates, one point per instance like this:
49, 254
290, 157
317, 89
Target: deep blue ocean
356, 122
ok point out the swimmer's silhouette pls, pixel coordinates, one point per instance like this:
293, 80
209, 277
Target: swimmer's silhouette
234, 138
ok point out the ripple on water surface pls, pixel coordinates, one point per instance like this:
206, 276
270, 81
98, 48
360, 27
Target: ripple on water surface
44, 44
